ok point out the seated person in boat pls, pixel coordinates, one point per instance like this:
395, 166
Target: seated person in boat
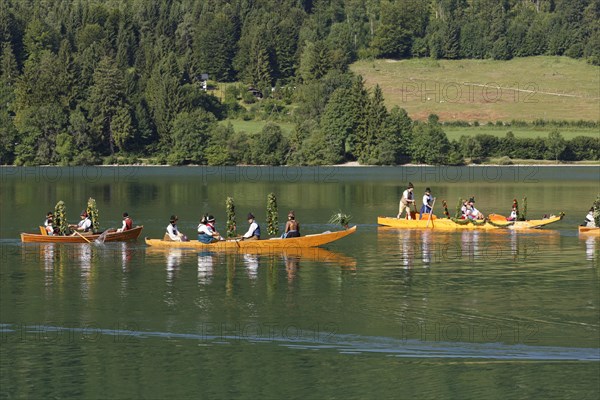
172, 231
472, 212
254, 229
427, 203
292, 227
406, 200
513, 214
49, 223
84, 225
127, 223
206, 230
589, 219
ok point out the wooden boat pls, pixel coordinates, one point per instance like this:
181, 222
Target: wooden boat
43, 237
494, 221
250, 245
587, 231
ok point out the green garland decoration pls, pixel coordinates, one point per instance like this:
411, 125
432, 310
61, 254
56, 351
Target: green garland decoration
272, 215
460, 221
340, 218
446, 213
60, 218
596, 211
458, 212
523, 215
500, 225
93, 214
230, 209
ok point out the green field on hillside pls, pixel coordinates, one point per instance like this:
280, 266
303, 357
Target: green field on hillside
528, 132
254, 126
550, 88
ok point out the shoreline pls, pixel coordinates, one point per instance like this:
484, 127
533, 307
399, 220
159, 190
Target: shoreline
353, 164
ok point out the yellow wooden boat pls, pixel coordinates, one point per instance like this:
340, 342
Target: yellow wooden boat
315, 240
587, 231
493, 221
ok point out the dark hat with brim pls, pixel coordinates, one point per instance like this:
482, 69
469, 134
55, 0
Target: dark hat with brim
210, 219
428, 190
173, 218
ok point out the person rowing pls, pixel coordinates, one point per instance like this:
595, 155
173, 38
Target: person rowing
589, 219
172, 231
84, 225
206, 230
253, 230
292, 227
406, 200
427, 203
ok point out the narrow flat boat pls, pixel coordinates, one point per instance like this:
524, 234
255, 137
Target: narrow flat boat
493, 221
315, 240
115, 236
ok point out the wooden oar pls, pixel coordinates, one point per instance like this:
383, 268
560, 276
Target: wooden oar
430, 213
84, 238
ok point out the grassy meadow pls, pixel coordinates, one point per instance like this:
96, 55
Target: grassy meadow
550, 88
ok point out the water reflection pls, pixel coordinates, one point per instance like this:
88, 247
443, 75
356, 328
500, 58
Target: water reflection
206, 261
590, 248
428, 247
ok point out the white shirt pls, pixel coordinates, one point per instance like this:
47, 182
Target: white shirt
173, 232
251, 229
591, 223
426, 200
205, 228
407, 195
86, 224
513, 214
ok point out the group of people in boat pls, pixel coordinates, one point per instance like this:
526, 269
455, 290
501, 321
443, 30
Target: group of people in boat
207, 233
407, 200
83, 226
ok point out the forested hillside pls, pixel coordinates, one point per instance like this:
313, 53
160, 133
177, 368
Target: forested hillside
91, 81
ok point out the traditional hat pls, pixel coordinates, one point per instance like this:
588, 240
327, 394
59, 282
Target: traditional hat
49, 214
173, 218
291, 215
250, 216
427, 190
125, 214
472, 200
210, 219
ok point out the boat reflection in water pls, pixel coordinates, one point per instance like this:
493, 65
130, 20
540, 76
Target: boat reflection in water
591, 247
253, 260
427, 247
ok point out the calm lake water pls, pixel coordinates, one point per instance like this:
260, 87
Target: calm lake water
382, 313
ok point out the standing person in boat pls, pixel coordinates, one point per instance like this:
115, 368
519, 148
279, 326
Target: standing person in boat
206, 230
406, 200
427, 203
172, 231
127, 223
254, 229
292, 227
84, 225
49, 223
589, 219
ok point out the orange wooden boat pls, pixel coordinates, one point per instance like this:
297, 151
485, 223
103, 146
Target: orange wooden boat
43, 237
253, 245
584, 230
